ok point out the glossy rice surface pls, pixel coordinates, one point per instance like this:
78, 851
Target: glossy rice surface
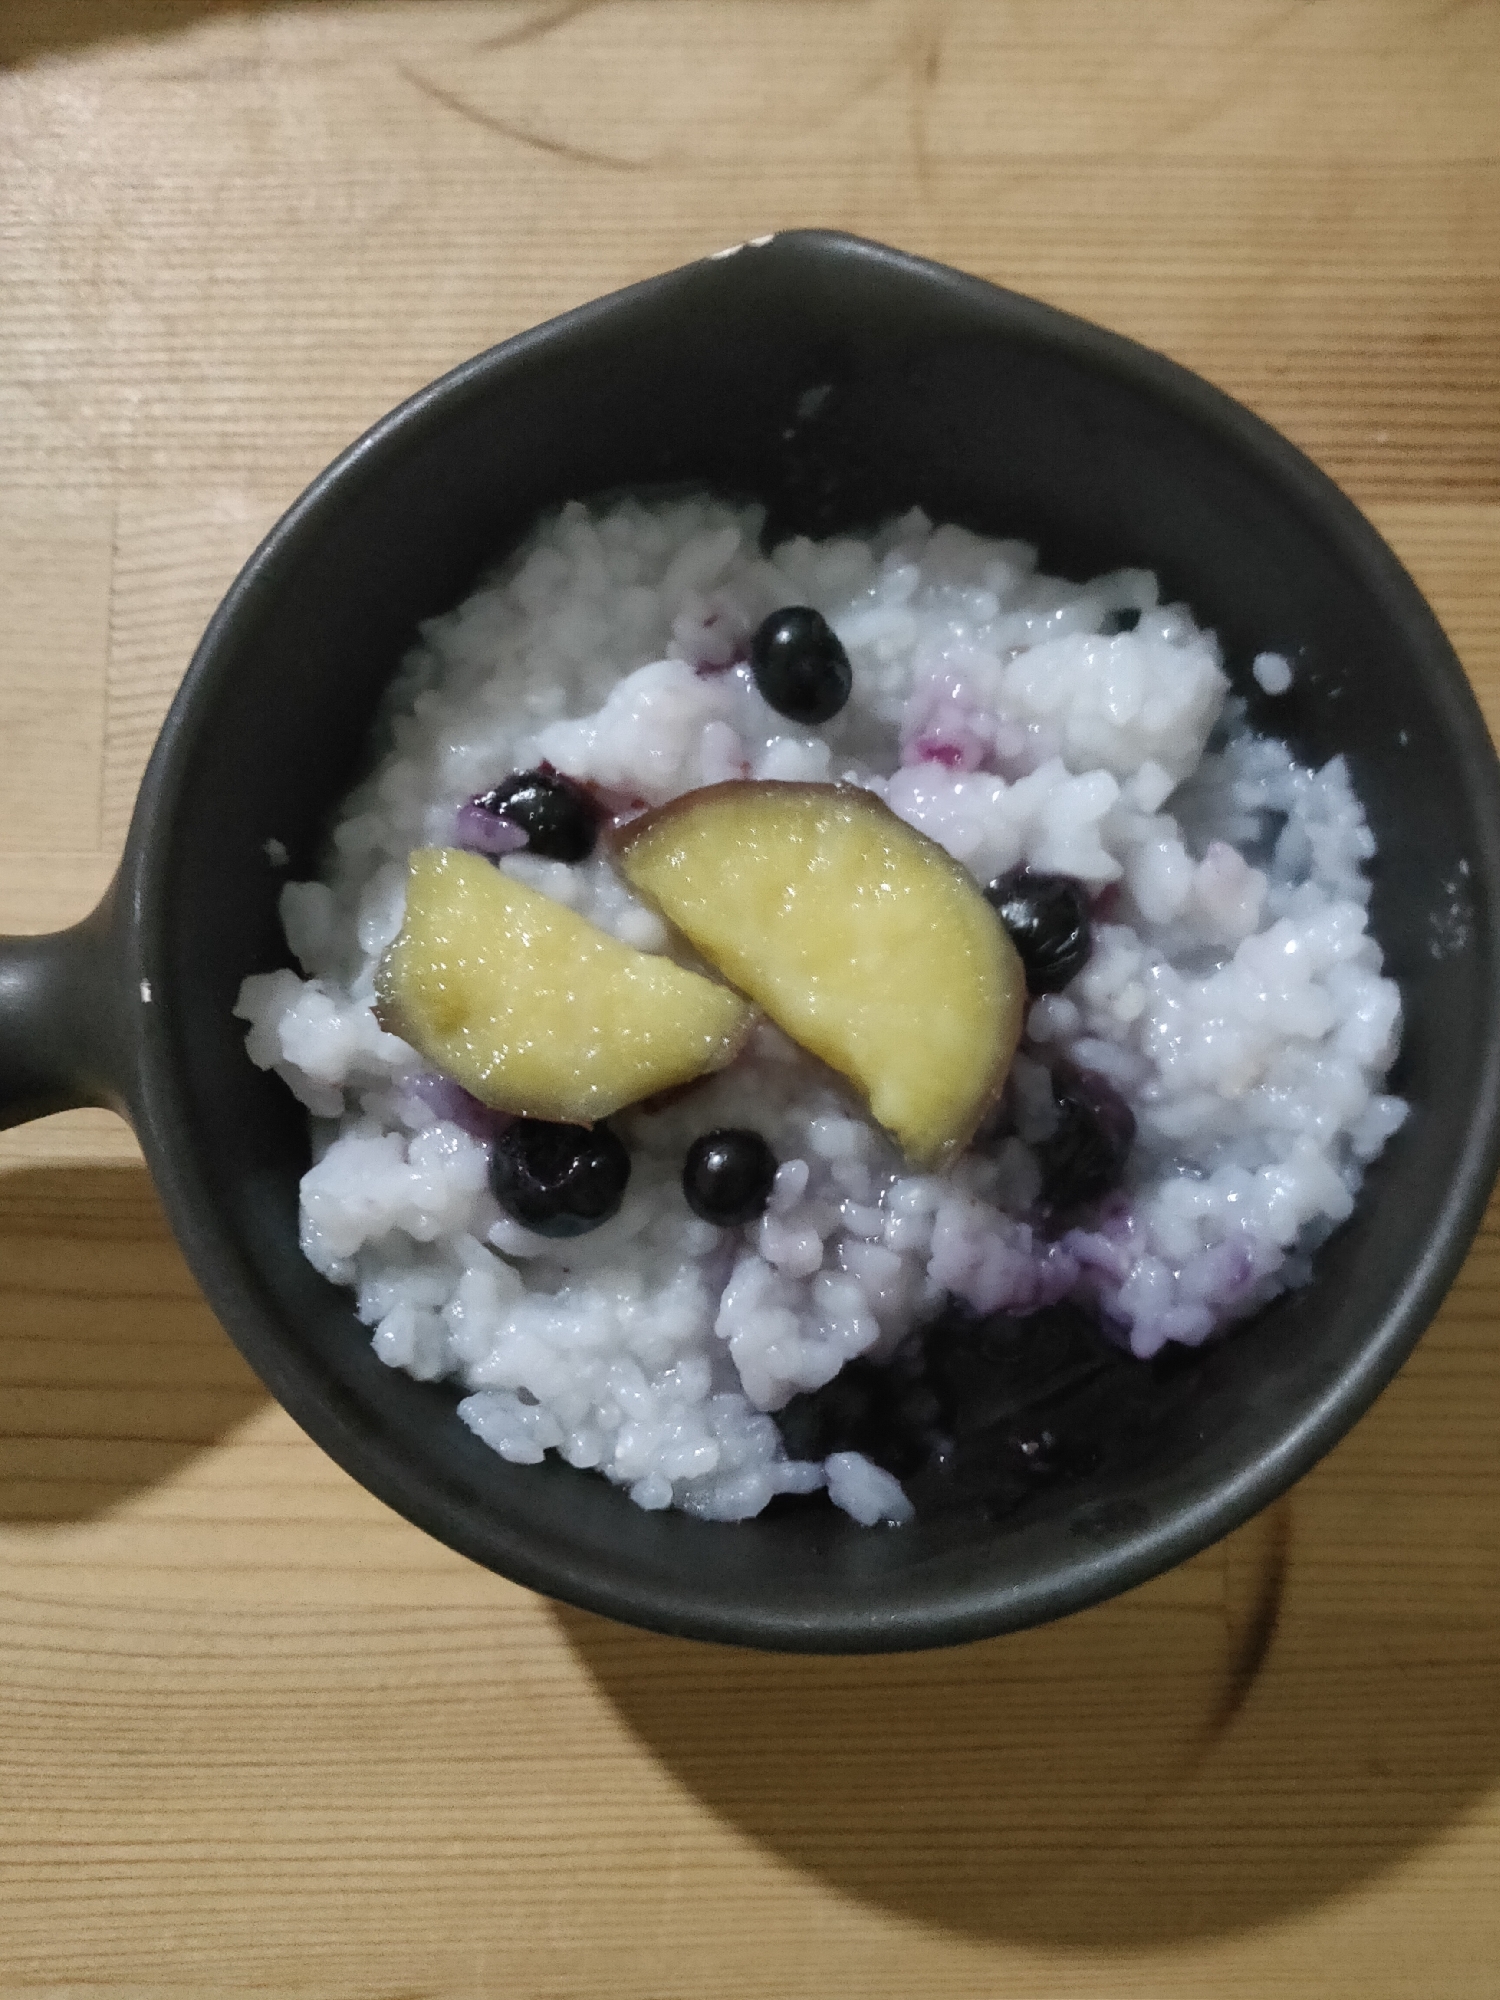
1234, 995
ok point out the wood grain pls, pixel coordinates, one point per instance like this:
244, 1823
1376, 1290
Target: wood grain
256, 1734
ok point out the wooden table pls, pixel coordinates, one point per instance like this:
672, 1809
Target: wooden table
256, 1734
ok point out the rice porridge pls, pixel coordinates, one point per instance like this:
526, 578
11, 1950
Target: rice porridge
1197, 1089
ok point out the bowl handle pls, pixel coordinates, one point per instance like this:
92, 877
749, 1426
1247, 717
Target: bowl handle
62, 1022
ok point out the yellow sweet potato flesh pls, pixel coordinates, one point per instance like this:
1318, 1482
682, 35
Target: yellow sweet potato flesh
536, 1011
860, 937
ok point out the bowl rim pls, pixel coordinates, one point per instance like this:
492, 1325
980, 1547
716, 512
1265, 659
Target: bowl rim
160, 1112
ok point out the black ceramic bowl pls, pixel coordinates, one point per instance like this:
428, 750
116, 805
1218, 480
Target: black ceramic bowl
840, 383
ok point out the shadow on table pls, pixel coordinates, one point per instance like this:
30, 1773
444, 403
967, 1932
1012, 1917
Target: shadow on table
37, 28
113, 1371
31, 30
1134, 1775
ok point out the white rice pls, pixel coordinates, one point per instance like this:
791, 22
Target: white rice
1272, 671
1234, 994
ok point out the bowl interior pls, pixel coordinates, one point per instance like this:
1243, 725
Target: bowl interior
839, 384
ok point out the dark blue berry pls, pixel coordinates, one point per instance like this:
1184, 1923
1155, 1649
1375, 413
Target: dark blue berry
983, 1414
559, 1180
1085, 1157
971, 1412
799, 665
1125, 619
558, 818
727, 1177
1048, 920
889, 1413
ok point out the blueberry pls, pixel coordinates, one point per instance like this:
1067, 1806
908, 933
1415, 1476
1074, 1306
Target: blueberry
799, 665
727, 1177
889, 1415
559, 1180
1123, 620
559, 820
983, 1414
1048, 920
1085, 1157
972, 1411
